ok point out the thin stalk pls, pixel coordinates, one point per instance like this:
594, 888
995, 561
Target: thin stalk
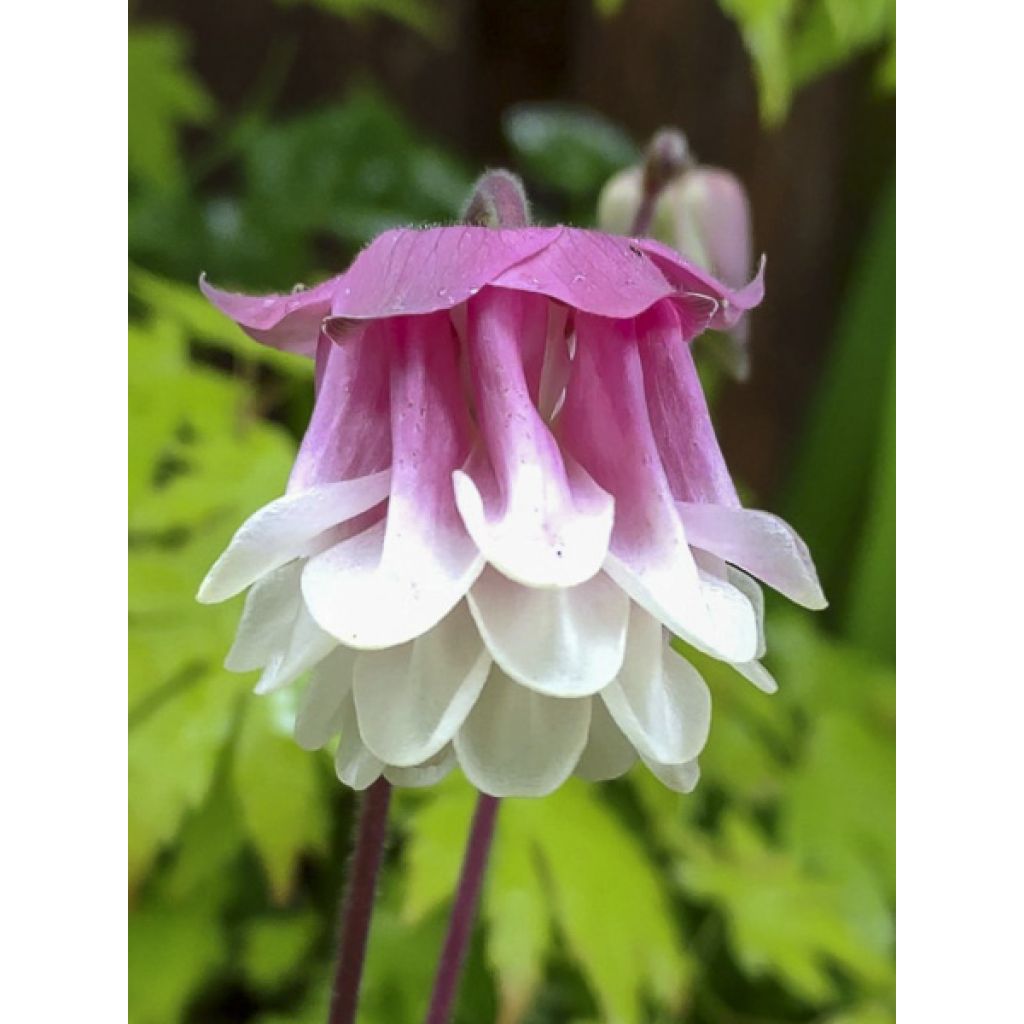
357, 905
460, 926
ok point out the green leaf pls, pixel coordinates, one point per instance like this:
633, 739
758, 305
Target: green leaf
831, 495
792, 43
559, 858
172, 951
279, 790
571, 150
276, 946
871, 616
197, 468
782, 921
163, 94
351, 170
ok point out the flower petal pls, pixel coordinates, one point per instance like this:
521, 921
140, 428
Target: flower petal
604, 423
659, 700
756, 673
753, 593
539, 520
283, 530
563, 642
349, 432
321, 713
591, 271
679, 413
408, 271
267, 618
290, 322
412, 698
427, 774
608, 754
689, 279
517, 742
353, 762
399, 578
758, 542
307, 644
682, 778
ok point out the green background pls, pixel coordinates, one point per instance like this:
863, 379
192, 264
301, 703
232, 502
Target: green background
768, 894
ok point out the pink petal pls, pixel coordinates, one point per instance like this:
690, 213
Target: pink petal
540, 521
605, 425
758, 542
591, 271
679, 414
688, 279
290, 322
407, 271
349, 432
398, 579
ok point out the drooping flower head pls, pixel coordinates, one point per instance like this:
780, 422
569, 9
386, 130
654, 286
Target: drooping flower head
509, 497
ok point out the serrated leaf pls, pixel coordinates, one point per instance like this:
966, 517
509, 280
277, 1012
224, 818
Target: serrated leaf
172, 754
564, 854
279, 790
782, 920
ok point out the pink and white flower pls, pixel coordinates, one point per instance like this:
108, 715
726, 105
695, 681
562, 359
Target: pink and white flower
509, 497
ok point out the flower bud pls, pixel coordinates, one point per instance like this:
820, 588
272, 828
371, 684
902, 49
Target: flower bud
705, 215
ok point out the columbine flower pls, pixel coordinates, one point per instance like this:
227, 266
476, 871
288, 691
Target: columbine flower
509, 496
705, 214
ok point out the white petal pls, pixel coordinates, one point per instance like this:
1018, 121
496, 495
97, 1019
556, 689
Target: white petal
369, 600
321, 709
354, 764
683, 778
659, 699
761, 543
426, 774
756, 673
280, 531
517, 742
307, 644
753, 593
608, 754
267, 618
734, 633
565, 642
412, 698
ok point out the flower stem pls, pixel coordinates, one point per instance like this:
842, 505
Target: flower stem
357, 905
460, 926
666, 158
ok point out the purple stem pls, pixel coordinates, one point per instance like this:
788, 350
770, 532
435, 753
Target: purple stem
357, 906
460, 927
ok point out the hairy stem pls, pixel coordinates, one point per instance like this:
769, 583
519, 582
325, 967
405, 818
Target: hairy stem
357, 905
460, 926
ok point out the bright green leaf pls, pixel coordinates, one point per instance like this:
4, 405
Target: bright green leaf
163, 94
279, 789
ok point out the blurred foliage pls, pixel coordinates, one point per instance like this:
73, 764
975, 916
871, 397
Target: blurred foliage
766, 896
792, 42
566, 154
